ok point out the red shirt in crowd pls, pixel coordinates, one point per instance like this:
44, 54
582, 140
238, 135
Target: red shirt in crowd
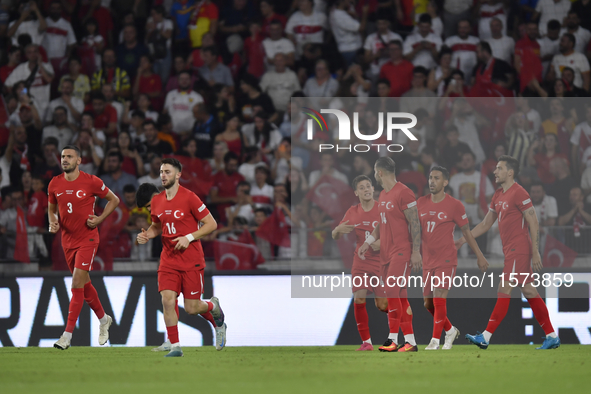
102, 16
399, 75
226, 187
255, 55
152, 84
36, 212
5, 72
101, 121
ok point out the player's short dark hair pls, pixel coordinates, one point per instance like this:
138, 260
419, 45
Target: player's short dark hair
230, 156
443, 171
485, 46
387, 164
173, 162
553, 25
73, 147
144, 194
129, 188
360, 178
512, 164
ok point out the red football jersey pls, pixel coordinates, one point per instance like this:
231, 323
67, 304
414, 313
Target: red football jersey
395, 241
365, 223
179, 217
438, 221
513, 228
75, 201
36, 210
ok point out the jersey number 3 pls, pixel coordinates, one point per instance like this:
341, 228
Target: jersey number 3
69, 207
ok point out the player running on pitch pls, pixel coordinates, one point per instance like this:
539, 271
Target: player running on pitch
177, 214
364, 217
512, 205
397, 208
73, 194
439, 213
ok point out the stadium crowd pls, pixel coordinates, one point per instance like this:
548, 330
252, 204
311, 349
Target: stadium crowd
211, 82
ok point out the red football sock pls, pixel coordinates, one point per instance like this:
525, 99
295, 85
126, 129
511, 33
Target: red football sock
440, 316
91, 298
209, 305
76, 304
207, 316
405, 317
498, 314
446, 324
176, 308
362, 321
394, 310
173, 333
541, 313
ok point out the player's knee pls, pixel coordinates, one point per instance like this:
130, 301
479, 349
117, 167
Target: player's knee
168, 303
382, 304
428, 304
359, 300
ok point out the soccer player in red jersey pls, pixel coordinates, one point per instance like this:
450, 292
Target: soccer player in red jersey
439, 213
73, 194
512, 205
364, 217
399, 250
182, 219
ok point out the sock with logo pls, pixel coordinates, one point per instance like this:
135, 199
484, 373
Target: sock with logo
439, 316
76, 304
446, 324
498, 314
173, 334
362, 321
91, 298
541, 313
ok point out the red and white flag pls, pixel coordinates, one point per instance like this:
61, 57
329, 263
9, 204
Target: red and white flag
334, 197
275, 229
557, 254
235, 255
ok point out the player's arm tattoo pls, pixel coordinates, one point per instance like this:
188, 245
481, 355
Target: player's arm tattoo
412, 217
534, 227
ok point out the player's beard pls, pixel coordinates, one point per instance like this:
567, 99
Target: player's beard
169, 184
69, 170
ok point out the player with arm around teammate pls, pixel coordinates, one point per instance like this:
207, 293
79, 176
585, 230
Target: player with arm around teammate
72, 196
363, 218
519, 231
439, 213
182, 219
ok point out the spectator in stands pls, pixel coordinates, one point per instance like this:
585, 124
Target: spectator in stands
489, 10
419, 96
376, 45
59, 40
252, 160
468, 122
112, 75
439, 74
179, 66
549, 44
254, 51
223, 190
547, 10
153, 143
262, 134
502, 47
545, 206
276, 44
262, 193
454, 149
519, 137
328, 169
80, 80
575, 212
130, 51
73, 105
116, 179
213, 71
569, 58
59, 128
179, 104
205, 129
562, 185
397, 70
267, 9
30, 22
232, 136
50, 166
306, 26
104, 115
92, 46
181, 13
148, 83
244, 206
541, 153
92, 155
153, 176
422, 48
254, 100
11, 196
558, 124
582, 35
129, 197
220, 148
39, 82
158, 28
583, 9
454, 12
111, 99
580, 140
14, 59
347, 27
280, 83
463, 46
132, 160
234, 18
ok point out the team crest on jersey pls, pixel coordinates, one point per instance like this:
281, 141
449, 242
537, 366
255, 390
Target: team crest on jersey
441, 216
80, 194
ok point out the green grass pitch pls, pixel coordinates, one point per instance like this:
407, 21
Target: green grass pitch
338, 369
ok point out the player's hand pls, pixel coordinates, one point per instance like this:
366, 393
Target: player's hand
182, 243
142, 237
536, 262
93, 221
459, 243
54, 227
482, 263
345, 228
416, 261
362, 250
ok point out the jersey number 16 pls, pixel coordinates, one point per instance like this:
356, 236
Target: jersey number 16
171, 229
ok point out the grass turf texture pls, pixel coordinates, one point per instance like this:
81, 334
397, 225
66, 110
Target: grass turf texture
464, 369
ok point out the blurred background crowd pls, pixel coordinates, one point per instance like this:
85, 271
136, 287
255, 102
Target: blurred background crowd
220, 84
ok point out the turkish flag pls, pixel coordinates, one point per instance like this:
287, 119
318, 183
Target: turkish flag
196, 175
275, 229
334, 197
235, 255
557, 254
21, 248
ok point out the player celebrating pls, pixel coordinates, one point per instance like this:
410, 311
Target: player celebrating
363, 218
397, 208
513, 207
73, 193
439, 213
179, 211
